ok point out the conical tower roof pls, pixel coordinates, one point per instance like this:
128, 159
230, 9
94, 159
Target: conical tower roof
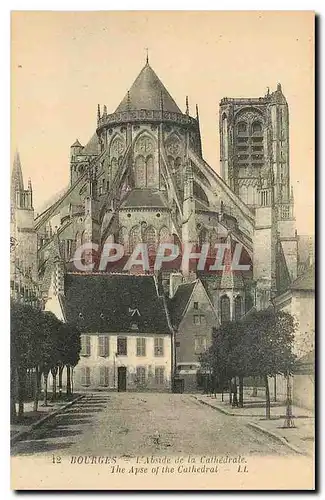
148, 92
17, 183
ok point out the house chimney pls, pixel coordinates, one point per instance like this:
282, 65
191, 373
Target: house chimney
175, 280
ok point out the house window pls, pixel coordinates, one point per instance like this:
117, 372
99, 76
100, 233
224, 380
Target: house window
141, 375
159, 346
103, 345
85, 375
198, 319
196, 305
200, 344
85, 345
104, 376
122, 349
141, 346
159, 375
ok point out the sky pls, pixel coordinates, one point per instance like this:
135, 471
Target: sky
65, 63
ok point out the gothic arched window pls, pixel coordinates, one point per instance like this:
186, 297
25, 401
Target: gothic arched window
140, 172
150, 171
178, 171
151, 239
238, 307
242, 128
257, 127
225, 308
122, 236
134, 238
114, 167
164, 235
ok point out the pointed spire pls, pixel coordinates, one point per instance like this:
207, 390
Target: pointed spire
197, 112
227, 279
186, 106
98, 113
17, 183
105, 110
128, 104
161, 101
29, 184
147, 58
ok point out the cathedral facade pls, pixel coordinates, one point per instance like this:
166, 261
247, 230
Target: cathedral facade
142, 177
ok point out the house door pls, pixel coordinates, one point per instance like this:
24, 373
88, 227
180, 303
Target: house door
121, 379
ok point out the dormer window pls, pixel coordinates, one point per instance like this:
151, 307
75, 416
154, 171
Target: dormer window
134, 312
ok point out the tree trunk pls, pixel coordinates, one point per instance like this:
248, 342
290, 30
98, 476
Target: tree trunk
37, 387
61, 368
254, 392
72, 372
230, 392
46, 376
13, 375
21, 390
68, 381
267, 399
54, 372
241, 392
234, 398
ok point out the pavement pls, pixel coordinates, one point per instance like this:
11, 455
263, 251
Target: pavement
32, 419
300, 439
132, 424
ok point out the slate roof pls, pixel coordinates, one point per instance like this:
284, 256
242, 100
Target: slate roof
76, 144
144, 198
306, 281
146, 93
178, 304
91, 147
109, 303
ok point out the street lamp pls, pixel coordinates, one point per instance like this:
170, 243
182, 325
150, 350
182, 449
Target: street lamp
289, 421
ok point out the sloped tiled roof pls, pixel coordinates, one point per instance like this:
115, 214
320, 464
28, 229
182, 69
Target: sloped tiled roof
91, 147
146, 93
111, 303
144, 198
178, 304
306, 281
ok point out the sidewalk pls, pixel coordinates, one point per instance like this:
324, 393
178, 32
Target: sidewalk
299, 439
32, 419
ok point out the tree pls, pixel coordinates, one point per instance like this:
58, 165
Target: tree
269, 339
24, 347
226, 357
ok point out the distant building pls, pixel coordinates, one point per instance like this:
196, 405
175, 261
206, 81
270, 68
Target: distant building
193, 317
299, 301
24, 282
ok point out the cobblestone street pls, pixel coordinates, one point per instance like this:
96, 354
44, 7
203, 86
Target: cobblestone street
129, 424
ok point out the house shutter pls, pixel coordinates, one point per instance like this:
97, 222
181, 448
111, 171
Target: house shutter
160, 375
88, 345
85, 345
159, 346
85, 375
103, 345
141, 346
103, 376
